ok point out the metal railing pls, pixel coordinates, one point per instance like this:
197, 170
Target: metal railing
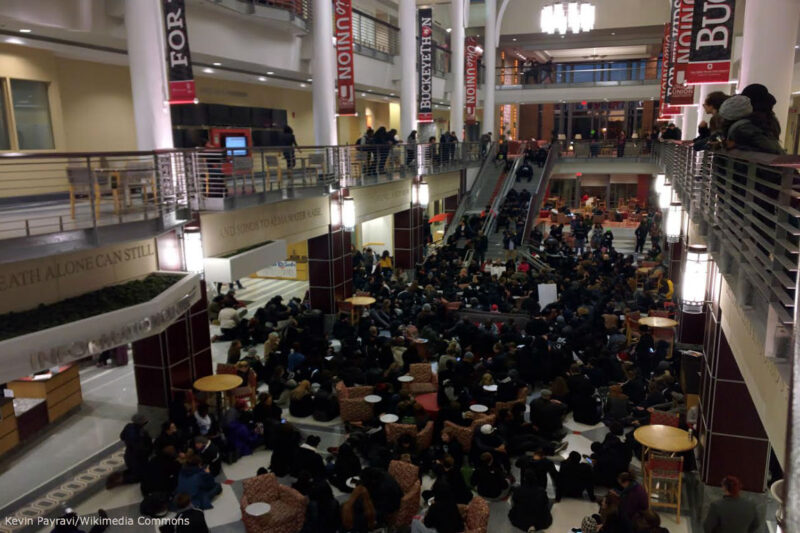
375, 34
49, 193
578, 74
747, 207
605, 149
538, 194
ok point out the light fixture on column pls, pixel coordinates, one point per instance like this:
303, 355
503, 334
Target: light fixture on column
193, 251
665, 196
349, 213
659, 184
563, 16
414, 194
336, 212
423, 194
695, 279
674, 222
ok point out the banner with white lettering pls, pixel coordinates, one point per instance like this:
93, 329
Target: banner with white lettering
346, 88
678, 93
665, 111
712, 41
179, 60
425, 106
472, 53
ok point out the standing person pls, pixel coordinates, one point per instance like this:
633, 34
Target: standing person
444, 147
732, 514
365, 148
486, 141
621, 143
289, 143
381, 142
711, 106
481, 245
138, 447
655, 234
411, 148
579, 231
453, 146
641, 237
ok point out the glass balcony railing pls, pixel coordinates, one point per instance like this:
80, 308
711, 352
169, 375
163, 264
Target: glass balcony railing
644, 71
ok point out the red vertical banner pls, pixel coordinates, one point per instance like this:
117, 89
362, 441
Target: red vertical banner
665, 111
179, 60
471, 56
425, 86
680, 40
346, 83
712, 41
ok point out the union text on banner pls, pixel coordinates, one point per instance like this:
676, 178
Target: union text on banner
425, 106
678, 93
471, 78
665, 111
712, 41
179, 61
346, 84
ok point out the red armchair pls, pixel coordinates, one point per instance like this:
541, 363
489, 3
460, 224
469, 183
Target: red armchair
425, 380
475, 515
407, 476
423, 437
352, 407
288, 510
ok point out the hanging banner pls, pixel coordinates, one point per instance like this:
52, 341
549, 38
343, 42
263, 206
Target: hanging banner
665, 111
179, 61
346, 86
680, 37
712, 41
425, 90
471, 56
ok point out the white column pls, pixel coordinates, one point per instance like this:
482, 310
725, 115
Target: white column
323, 97
770, 32
691, 118
489, 61
147, 62
457, 66
408, 67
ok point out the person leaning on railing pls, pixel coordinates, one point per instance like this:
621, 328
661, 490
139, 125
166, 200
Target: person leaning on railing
745, 130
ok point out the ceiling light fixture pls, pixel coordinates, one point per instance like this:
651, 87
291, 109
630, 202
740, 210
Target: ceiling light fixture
262, 78
208, 70
270, 73
567, 16
302, 85
28, 30
217, 64
448, 30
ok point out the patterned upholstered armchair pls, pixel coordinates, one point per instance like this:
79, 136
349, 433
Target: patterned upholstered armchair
288, 506
352, 407
424, 379
463, 434
475, 515
407, 476
423, 437
522, 397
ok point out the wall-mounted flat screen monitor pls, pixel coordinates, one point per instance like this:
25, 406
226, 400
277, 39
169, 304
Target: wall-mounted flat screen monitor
237, 145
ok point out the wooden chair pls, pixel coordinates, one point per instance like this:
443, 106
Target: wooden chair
83, 181
663, 482
138, 175
632, 325
664, 418
272, 164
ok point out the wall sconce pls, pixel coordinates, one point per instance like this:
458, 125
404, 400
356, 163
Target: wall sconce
423, 194
336, 212
665, 196
695, 279
349, 213
674, 222
193, 250
414, 194
661, 179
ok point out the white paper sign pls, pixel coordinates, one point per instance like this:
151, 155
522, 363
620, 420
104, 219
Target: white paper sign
548, 293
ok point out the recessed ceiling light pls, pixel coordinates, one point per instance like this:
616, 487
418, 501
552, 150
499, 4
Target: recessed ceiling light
208, 70
217, 64
514, 39
795, 46
302, 85
309, 80
385, 97
369, 90
262, 78
14, 40
270, 73
448, 30
363, 94
391, 94
24, 30
613, 33
563, 36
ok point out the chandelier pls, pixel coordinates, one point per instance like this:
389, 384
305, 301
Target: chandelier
563, 16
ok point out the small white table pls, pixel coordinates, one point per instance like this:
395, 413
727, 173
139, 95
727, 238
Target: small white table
388, 418
405, 379
490, 388
478, 408
372, 398
258, 509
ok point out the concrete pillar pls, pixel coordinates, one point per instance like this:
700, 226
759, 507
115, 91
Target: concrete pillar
457, 67
691, 118
770, 32
147, 61
330, 267
490, 61
408, 67
323, 97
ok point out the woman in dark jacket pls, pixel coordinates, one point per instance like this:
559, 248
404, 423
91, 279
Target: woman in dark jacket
530, 507
346, 466
443, 515
301, 403
574, 478
488, 479
286, 443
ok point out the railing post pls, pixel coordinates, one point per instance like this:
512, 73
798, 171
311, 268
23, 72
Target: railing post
93, 189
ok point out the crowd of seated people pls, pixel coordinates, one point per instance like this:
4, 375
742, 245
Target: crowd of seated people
573, 352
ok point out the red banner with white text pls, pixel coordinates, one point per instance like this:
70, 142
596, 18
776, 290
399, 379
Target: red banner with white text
712, 41
665, 111
678, 93
471, 55
346, 83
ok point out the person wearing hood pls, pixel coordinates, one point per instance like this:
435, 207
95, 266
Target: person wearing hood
742, 132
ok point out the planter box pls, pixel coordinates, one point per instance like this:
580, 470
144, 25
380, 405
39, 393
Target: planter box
229, 269
32, 352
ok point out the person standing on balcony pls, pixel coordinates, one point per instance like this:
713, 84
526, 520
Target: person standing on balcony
486, 141
444, 147
481, 245
411, 148
289, 143
621, 143
453, 146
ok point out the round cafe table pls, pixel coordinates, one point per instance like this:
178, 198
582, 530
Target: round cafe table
664, 439
478, 408
258, 509
657, 322
218, 383
372, 398
405, 379
358, 301
388, 418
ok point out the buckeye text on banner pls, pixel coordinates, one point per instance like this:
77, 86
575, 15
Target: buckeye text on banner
665, 111
179, 60
471, 78
678, 93
712, 41
425, 105
346, 83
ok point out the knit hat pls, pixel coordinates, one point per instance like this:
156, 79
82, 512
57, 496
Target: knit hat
736, 107
589, 525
